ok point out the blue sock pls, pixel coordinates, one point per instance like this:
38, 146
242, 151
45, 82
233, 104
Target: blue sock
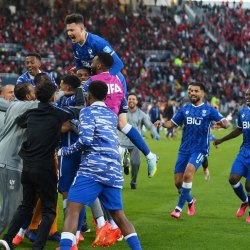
184, 195
65, 244
81, 219
133, 241
67, 240
248, 196
135, 137
239, 191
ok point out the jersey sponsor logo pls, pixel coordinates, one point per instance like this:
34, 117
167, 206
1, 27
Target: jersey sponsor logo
194, 121
114, 88
107, 49
245, 125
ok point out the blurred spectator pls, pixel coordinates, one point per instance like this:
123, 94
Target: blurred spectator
155, 113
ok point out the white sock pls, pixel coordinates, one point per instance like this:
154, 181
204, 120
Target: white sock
21, 232
126, 128
113, 224
77, 235
70, 236
150, 156
100, 221
64, 203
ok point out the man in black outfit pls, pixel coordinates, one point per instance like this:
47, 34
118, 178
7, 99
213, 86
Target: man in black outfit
39, 177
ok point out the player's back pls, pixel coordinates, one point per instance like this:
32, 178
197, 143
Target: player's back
101, 158
115, 90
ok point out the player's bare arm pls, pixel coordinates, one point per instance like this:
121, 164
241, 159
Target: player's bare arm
233, 134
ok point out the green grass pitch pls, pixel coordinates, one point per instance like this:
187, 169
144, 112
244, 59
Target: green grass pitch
214, 226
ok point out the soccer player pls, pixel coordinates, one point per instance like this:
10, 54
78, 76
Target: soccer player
100, 172
11, 140
33, 65
83, 73
39, 178
85, 45
197, 118
241, 163
137, 118
68, 165
117, 102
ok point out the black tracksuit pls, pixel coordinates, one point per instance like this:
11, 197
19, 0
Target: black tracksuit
39, 178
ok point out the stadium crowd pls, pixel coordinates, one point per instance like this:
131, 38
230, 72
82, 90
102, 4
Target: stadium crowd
191, 54
183, 57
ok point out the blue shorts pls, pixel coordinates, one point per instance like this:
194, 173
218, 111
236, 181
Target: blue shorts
195, 158
85, 190
68, 166
241, 166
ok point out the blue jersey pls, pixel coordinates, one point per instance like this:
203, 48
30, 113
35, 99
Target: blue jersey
84, 54
244, 124
98, 142
66, 101
197, 121
26, 77
70, 137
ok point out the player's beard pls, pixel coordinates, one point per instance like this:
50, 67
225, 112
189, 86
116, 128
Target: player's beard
93, 71
195, 101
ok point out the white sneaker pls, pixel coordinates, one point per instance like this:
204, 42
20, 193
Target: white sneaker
152, 166
207, 175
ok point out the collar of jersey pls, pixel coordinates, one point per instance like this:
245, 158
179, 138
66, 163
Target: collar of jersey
32, 77
198, 105
98, 103
87, 34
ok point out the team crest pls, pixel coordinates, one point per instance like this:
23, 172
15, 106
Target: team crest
204, 112
187, 112
85, 63
243, 115
90, 51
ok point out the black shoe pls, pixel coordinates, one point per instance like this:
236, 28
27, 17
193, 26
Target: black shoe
31, 235
126, 162
55, 236
126, 170
85, 228
4, 245
133, 186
